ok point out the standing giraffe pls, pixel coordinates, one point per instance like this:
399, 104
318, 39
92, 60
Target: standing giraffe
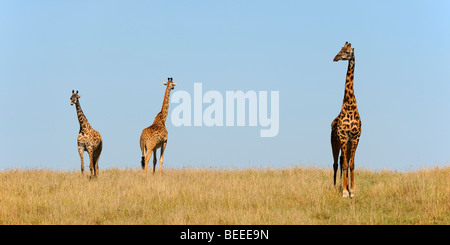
155, 136
88, 138
346, 128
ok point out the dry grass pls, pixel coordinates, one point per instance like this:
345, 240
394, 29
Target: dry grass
212, 196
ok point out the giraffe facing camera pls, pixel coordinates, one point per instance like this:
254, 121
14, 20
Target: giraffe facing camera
74, 98
170, 80
346, 128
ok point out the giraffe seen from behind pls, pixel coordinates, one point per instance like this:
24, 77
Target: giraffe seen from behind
88, 138
155, 136
346, 128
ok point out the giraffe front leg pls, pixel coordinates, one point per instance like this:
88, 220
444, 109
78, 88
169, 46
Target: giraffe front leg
352, 167
345, 192
81, 152
352, 180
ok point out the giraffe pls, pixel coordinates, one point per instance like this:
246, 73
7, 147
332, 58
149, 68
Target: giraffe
155, 136
346, 128
88, 138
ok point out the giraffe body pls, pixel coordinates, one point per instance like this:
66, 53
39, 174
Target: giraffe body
155, 136
88, 139
346, 128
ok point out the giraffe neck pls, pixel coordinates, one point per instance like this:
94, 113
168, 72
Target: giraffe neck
349, 102
165, 106
84, 124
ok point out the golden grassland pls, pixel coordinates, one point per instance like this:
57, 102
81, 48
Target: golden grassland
218, 196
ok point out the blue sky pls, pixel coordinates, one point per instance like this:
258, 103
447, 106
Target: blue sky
117, 54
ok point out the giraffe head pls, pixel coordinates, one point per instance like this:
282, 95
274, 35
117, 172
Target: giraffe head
74, 98
170, 83
346, 53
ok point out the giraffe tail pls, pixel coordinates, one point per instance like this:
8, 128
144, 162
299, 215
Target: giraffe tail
143, 162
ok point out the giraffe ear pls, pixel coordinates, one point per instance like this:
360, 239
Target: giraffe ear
164, 83
174, 84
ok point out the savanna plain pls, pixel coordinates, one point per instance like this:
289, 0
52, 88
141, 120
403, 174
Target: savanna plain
188, 196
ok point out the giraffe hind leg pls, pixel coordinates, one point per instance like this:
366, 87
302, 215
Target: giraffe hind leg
148, 155
91, 161
146, 160
144, 153
335, 145
163, 147
97, 153
154, 160
94, 167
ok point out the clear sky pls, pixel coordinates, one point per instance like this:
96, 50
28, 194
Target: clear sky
117, 54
